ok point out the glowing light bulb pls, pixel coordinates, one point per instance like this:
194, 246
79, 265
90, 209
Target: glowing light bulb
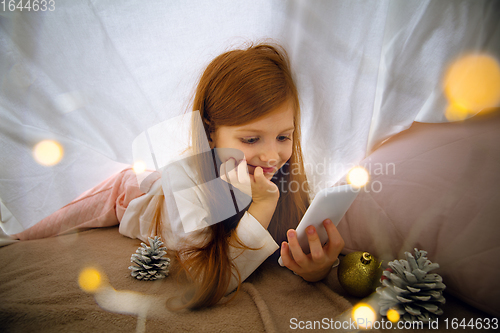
393, 315
364, 315
471, 83
90, 279
358, 176
48, 152
139, 167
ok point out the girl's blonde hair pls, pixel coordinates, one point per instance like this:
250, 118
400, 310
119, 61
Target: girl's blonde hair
236, 88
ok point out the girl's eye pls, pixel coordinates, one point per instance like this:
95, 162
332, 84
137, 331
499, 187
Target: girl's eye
249, 140
284, 138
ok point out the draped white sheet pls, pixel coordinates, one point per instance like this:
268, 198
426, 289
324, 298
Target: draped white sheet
93, 75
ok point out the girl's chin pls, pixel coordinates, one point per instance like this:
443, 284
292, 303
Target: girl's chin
269, 175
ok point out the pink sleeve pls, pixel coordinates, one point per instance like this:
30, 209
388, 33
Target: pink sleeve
101, 206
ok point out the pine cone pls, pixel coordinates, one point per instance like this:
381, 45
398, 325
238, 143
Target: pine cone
410, 290
150, 261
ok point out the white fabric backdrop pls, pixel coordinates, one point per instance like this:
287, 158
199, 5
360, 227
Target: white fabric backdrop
93, 75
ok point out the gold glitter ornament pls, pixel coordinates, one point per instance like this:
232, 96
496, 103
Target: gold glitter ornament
359, 273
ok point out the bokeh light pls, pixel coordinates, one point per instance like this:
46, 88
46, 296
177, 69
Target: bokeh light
139, 167
90, 279
455, 112
364, 315
48, 152
393, 315
471, 84
69, 101
358, 176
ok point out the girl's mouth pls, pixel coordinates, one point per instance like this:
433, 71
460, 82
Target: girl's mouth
266, 170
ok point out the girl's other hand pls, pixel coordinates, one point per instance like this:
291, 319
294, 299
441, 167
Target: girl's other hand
317, 264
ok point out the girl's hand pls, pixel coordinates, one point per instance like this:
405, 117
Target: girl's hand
256, 186
317, 264
264, 193
265, 197
263, 190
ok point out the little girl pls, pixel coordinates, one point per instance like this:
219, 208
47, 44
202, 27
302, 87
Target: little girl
247, 100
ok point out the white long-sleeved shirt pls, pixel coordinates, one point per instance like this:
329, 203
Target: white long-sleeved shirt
188, 207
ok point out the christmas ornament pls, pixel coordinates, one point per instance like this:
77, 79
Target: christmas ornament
150, 261
411, 290
359, 273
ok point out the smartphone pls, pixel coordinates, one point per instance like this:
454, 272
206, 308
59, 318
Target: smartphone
330, 203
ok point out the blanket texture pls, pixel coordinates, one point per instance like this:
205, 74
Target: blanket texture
39, 292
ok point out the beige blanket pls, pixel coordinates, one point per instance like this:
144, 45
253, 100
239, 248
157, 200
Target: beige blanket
39, 292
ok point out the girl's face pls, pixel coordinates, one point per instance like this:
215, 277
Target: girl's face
266, 142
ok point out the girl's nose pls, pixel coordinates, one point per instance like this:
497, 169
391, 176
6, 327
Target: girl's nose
269, 154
